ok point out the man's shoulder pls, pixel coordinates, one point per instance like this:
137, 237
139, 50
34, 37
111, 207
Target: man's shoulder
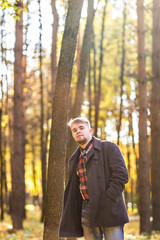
105, 142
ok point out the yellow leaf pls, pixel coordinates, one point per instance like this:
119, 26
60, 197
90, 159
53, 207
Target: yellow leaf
25, 90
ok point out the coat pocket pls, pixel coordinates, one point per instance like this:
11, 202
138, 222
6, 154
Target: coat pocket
108, 205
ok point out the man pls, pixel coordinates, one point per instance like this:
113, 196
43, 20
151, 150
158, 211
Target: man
93, 204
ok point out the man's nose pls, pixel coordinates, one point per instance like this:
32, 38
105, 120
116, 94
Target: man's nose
78, 130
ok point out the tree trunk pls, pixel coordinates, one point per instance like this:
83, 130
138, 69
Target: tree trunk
57, 153
1, 109
84, 59
94, 77
35, 189
11, 133
135, 155
129, 174
43, 159
5, 151
23, 122
144, 184
98, 91
155, 117
122, 74
17, 164
54, 46
1, 170
5, 186
89, 91
24, 65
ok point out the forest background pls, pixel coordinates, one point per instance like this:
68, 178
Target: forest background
62, 59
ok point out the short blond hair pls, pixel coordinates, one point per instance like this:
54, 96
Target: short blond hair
79, 120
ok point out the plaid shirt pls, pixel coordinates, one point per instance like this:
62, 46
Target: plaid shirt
81, 170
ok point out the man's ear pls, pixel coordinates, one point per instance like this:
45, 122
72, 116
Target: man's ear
91, 130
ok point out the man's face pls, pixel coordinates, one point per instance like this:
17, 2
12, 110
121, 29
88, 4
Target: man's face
81, 133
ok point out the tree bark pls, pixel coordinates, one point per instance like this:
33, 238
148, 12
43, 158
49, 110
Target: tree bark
57, 153
144, 185
17, 164
155, 117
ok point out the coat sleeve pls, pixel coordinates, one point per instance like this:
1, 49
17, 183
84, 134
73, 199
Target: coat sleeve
119, 173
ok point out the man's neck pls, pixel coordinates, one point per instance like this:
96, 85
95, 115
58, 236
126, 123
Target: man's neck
85, 144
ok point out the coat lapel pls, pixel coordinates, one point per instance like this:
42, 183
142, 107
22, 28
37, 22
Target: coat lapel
90, 154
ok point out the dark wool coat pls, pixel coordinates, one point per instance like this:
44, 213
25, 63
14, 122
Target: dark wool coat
106, 178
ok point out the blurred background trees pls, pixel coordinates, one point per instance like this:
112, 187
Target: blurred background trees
115, 83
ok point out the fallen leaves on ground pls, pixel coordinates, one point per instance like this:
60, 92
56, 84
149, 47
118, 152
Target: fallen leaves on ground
33, 229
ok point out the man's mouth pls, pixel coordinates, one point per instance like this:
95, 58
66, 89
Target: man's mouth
80, 135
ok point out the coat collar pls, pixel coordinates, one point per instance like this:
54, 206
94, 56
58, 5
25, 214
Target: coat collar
97, 143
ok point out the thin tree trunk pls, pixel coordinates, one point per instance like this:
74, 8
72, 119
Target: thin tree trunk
94, 77
4, 170
89, 91
155, 117
129, 173
131, 130
122, 74
58, 143
23, 122
135, 155
54, 45
84, 59
10, 126
1, 169
5, 151
144, 184
35, 191
46, 139
17, 163
1, 107
98, 91
43, 159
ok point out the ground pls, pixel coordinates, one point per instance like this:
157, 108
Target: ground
33, 229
